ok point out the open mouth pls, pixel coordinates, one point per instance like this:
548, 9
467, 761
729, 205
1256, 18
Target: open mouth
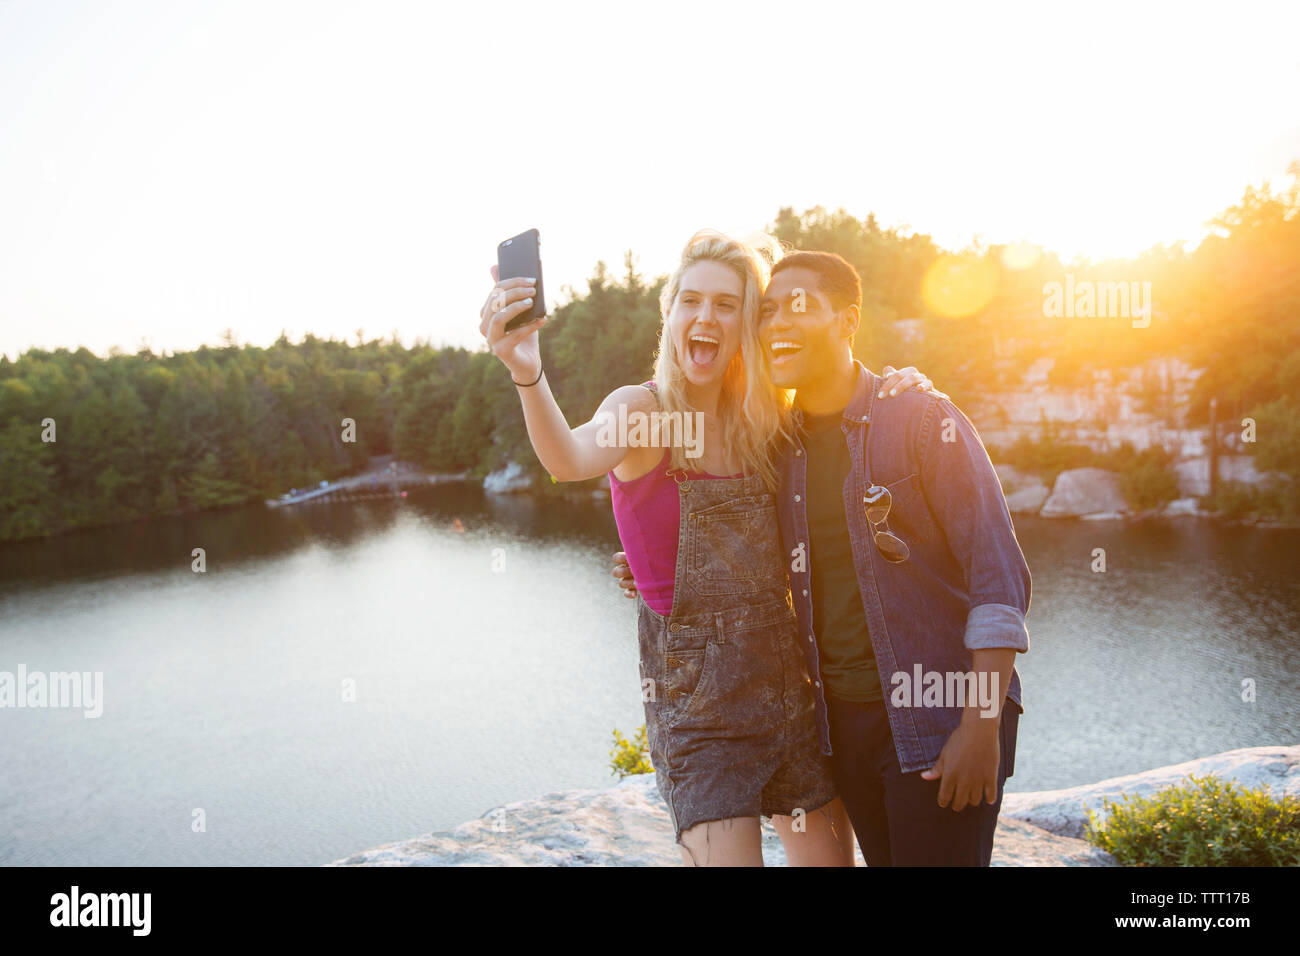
784, 349
703, 349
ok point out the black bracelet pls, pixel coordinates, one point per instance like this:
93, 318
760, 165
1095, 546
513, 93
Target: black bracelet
533, 382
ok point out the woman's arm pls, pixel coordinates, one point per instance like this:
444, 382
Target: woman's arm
594, 447
591, 449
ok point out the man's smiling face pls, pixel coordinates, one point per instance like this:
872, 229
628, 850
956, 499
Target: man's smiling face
801, 332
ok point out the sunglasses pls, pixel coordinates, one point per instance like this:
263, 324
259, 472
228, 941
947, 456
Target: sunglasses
878, 502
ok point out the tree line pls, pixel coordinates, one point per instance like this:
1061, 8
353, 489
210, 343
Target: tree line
147, 434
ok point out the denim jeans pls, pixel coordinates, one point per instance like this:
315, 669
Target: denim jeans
896, 816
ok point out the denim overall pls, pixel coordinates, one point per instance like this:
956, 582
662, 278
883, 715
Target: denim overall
729, 707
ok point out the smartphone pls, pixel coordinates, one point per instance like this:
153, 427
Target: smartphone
521, 256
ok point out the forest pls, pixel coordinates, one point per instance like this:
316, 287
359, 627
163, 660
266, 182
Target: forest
88, 440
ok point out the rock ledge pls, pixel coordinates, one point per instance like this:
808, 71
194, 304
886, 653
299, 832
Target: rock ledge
627, 824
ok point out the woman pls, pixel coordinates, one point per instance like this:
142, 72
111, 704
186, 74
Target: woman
729, 709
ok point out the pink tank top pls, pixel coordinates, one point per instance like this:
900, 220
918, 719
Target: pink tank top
647, 512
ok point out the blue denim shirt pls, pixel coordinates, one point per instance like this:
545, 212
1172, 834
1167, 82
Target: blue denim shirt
965, 584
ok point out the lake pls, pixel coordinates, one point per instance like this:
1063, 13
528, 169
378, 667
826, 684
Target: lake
350, 674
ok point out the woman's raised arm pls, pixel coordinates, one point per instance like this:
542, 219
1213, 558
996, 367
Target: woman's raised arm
591, 449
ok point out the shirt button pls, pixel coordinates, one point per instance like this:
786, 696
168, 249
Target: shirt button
810, 640
674, 627
817, 683
796, 497
798, 452
805, 592
864, 418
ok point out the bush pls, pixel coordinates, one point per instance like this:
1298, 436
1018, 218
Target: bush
630, 756
1277, 443
1147, 478
1276, 501
1148, 485
1234, 499
1206, 822
1280, 501
1046, 456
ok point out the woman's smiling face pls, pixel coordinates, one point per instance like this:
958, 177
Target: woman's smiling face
705, 321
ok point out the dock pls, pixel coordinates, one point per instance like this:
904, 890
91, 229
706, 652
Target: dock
364, 487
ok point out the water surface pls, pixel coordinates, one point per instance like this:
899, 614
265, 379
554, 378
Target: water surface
491, 659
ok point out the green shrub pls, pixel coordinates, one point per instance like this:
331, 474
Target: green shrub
1280, 501
630, 756
1276, 501
1234, 499
1207, 822
1149, 485
1146, 477
1046, 456
1277, 443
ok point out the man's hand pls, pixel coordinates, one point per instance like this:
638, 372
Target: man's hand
967, 767
623, 572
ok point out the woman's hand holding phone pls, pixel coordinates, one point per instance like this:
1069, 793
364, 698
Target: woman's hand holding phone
569, 454
517, 349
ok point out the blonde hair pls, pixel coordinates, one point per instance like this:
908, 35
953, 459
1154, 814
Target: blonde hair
755, 417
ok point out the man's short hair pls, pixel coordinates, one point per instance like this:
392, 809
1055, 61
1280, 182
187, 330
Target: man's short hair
837, 279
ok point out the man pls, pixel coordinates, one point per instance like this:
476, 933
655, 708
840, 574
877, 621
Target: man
909, 586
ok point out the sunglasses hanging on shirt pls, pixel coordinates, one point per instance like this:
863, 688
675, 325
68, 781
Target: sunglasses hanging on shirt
877, 504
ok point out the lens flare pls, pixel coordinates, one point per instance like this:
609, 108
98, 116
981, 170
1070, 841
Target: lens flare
959, 286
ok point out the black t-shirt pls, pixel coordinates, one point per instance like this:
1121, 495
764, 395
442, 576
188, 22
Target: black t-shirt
839, 622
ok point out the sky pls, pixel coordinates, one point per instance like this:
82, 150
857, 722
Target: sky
170, 170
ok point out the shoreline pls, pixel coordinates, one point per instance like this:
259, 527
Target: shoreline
420, 480
1133, 517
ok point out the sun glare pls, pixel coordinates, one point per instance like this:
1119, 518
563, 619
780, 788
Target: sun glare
956, 286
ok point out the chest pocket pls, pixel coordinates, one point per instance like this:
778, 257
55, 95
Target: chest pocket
909, 514
733, 547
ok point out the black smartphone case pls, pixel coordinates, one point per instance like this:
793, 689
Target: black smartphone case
521, 256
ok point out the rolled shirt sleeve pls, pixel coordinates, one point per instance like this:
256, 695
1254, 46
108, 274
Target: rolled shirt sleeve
996, 625
965, 496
